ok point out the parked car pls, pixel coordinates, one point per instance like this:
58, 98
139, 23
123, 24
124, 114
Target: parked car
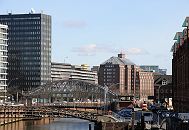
126, 112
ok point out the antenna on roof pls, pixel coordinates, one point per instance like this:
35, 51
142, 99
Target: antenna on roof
32, 11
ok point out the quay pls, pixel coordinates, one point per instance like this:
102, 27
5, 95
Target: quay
10, 114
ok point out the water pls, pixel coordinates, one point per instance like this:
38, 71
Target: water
46, 124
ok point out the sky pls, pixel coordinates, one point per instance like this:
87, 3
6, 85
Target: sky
91, 31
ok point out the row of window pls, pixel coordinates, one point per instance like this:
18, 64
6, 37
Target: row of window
109, 69
31, 83
109, 73
27, 28
25, 48
20, 18
24, 22
37, 37
38, 32
25, 68
31, 73
25, 43
109, 66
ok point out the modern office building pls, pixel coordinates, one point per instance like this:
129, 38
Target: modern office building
180, 69
60, 71
29, 49
63, 71
126, 76
154, 68
3, 61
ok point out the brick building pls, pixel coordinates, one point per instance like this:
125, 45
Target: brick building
180, 69
129, 78
163, 88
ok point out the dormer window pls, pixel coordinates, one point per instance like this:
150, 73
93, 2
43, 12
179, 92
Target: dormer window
164, 82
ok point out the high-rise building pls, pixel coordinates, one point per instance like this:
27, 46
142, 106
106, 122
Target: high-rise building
29, 49
3, 60
180, 69
64, 71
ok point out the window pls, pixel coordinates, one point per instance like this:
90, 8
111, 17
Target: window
164, 82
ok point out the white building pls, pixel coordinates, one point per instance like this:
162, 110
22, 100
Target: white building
63, 71
3, 60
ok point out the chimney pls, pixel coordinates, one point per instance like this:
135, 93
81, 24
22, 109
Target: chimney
121, 55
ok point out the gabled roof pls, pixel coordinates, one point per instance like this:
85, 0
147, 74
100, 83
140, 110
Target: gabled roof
185, 24
158, 78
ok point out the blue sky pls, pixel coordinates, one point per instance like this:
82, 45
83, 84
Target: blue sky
91, 31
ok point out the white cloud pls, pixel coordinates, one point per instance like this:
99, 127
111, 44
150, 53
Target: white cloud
92, 49
136, 51
75, 24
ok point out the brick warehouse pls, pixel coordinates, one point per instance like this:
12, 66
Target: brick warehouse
180, 69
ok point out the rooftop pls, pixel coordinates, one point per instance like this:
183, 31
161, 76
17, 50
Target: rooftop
121, 60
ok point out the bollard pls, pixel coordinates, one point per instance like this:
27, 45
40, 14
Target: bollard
133, 121
142, 123
89, 126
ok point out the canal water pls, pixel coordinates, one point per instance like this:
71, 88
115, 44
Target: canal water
46, 124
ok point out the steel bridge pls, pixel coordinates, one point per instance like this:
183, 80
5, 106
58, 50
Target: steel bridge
72, 91
70, 97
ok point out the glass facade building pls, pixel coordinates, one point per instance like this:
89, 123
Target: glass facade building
29, 49
3, 60
154, 68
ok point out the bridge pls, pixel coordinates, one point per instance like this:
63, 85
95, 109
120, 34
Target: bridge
71, 91
68, 98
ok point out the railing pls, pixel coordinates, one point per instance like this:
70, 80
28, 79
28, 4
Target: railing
39, 112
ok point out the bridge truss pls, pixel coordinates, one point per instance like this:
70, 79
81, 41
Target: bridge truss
73, 89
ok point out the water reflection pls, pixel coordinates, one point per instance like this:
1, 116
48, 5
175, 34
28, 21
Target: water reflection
46, 124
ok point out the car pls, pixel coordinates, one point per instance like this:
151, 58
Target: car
125, 112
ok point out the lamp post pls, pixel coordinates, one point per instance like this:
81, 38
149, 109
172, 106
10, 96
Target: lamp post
159, 101
105, 101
